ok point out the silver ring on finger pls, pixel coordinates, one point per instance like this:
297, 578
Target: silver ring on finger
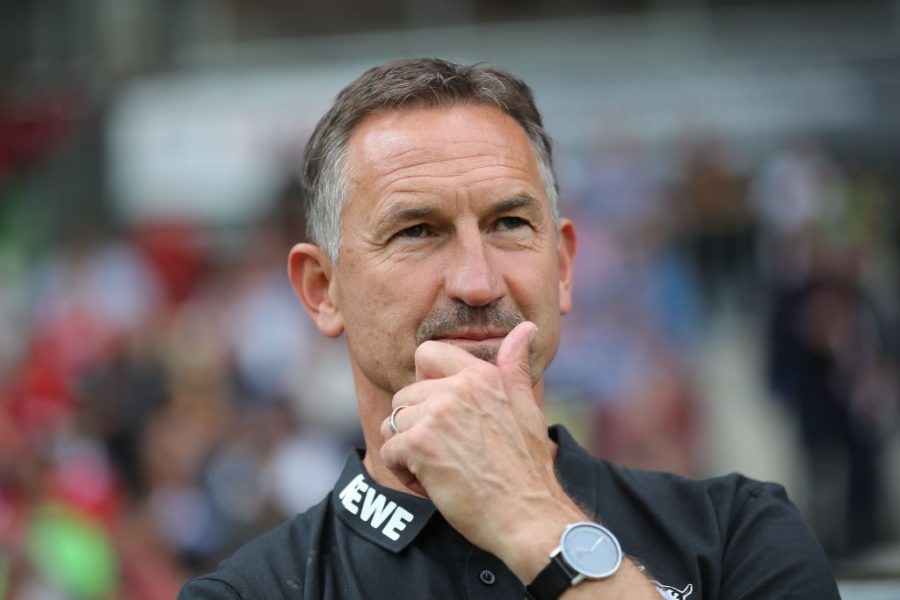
392, 422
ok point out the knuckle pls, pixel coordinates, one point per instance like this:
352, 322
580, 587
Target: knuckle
443, 407
455, 386
419, 441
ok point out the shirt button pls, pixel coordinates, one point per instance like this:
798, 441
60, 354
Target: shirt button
487, 577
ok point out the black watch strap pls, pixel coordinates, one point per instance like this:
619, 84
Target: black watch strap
552, 581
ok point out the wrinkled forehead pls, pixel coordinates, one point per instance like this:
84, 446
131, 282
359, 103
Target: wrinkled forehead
439, 142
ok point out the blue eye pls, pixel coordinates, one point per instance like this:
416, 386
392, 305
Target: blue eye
510, 223
416, 231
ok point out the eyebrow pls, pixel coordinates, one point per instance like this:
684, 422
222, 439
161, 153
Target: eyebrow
416, 213
522, 200
411, 213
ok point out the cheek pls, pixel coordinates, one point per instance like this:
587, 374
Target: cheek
534, 285
389, 305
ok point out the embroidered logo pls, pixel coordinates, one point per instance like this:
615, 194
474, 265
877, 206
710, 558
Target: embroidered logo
374, 508
671, 593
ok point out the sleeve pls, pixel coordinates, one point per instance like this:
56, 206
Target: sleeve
771, 554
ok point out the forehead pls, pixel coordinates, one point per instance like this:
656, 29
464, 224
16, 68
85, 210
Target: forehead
409, 146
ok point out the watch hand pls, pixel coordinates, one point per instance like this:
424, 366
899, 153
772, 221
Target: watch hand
581, 550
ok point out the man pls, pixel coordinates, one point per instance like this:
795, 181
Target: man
440, 254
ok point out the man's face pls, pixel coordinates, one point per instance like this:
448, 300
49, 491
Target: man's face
448, 235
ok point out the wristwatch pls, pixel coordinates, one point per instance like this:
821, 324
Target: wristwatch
586, 551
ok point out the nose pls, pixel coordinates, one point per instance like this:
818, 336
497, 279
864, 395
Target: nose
471, 276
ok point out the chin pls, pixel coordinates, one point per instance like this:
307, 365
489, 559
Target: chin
485, 350
485, 354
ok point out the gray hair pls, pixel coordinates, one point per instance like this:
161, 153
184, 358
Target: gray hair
410, 83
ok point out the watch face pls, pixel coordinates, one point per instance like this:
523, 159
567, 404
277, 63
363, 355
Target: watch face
591, 549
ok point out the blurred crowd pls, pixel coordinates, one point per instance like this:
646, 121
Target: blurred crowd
163, 396
800, 248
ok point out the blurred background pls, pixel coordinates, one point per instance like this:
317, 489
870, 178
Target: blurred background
732, 167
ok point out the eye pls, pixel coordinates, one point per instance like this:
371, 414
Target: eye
416, 231
510, 223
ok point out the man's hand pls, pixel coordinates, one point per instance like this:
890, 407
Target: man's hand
474, 440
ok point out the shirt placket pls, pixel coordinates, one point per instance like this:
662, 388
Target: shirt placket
485, 576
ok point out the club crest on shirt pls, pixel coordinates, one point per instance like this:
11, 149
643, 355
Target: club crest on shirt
672, 593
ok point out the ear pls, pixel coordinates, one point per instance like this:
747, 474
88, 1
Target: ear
566, 246
310, 272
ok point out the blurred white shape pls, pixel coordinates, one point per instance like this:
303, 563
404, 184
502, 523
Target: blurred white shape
797, 188
112, 284
302, 470
212, 148
269, 334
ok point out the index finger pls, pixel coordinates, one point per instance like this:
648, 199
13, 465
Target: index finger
435, 360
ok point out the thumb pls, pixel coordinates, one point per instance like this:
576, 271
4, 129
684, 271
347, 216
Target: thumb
514, 355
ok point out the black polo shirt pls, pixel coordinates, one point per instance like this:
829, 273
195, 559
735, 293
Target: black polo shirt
728, 537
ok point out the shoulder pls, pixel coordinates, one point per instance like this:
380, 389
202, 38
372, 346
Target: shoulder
269, 566
717, 507
726, 495
737, 536
598, 483
749, 529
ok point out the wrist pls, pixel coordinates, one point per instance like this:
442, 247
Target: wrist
527, 551
587, 551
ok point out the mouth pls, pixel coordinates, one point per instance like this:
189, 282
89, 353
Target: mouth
472, 335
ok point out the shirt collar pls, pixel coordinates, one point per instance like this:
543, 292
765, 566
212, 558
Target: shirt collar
386, 517
575, 467
392, 519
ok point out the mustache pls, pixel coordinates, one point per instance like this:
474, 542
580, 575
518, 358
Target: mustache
451, 319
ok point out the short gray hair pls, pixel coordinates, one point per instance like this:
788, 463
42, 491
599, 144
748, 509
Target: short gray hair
410, 83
